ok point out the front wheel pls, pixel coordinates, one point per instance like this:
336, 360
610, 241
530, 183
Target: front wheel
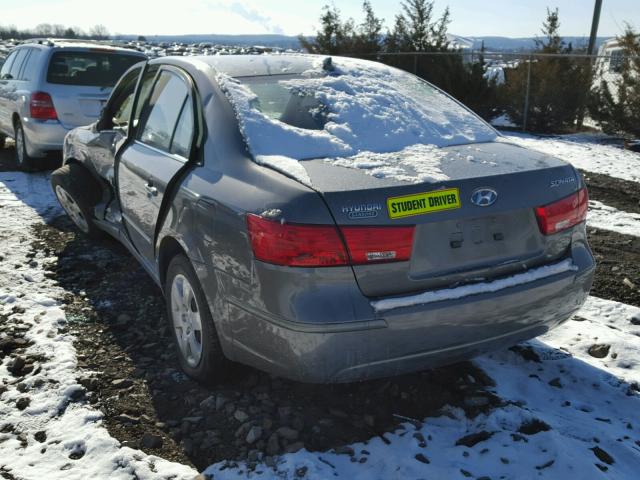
78, 192
194, 332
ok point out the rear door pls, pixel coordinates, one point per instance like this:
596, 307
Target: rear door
161, 147
80, 81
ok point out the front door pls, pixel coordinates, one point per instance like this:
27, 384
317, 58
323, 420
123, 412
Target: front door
159, 151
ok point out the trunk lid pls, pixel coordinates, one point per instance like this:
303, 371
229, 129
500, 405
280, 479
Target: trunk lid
455, 240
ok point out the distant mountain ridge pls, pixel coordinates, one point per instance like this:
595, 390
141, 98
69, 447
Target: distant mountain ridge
492, 43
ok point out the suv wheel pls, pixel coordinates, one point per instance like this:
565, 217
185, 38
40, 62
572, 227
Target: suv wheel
199, 350
77, 193
23, 161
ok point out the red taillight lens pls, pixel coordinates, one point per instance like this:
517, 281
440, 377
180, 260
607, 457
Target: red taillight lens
41, 107
563, 214
378, 244
298, 245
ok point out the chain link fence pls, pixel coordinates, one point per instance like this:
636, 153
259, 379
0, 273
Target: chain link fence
526, 91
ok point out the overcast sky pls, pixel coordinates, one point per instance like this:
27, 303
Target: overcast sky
508, 18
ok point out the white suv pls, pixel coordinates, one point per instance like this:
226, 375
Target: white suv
48, 87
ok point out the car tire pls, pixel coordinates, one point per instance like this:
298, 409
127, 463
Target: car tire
77, 192
200, 354
23, 161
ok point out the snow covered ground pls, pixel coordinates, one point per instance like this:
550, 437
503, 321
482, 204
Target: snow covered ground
71, 442
571, 406
609, 218
585, 154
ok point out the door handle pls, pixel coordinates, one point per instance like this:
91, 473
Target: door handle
151, 190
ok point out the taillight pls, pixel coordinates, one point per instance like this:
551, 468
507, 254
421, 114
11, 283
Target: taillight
41, 107
298, 245
563, 214
378, 244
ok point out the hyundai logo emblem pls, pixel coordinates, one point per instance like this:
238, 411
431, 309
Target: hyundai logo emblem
483, 197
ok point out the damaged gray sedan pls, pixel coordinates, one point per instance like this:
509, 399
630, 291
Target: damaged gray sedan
326, 220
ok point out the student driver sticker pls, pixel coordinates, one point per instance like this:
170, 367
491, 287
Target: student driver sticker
421, 203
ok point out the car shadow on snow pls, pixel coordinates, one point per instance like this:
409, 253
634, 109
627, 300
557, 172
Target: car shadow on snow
130, 371
8, 161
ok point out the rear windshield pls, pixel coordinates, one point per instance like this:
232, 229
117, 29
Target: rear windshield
98, 69
295, 107
356, 107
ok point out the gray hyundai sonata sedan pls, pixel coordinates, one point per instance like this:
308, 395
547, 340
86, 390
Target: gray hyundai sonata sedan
326, 219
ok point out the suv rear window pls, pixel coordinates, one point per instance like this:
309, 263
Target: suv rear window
97, 69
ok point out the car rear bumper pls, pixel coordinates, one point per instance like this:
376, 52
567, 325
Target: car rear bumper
411, 338
43, 136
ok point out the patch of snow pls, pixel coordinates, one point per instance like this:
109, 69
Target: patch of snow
495, 74
286, 165
503, 120
70, 427
476, 288
583, 153
609, 218
414, 164
603, 322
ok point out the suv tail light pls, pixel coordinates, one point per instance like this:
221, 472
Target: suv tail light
563, 214
41, 107
297, 245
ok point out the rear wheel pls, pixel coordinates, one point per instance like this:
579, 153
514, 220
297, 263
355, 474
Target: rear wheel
194, 332
23, 161
78, 192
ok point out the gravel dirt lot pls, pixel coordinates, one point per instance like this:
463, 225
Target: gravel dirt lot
129, 370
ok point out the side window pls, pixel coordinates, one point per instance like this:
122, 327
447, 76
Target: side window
30, 69
164, 107
118, 110
183, 136
145, 89
6, 66
17, 63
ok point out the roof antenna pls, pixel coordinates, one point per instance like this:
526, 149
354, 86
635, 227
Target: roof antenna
327, 65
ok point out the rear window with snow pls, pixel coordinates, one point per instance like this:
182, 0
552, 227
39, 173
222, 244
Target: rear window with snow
359, 106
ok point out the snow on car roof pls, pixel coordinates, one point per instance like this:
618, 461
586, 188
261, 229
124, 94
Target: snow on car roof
372, 109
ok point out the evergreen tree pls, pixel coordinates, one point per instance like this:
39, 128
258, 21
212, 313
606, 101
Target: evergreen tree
558, 85
552, 42
369, 38
397, 40
424, 33
618, 111
334, 36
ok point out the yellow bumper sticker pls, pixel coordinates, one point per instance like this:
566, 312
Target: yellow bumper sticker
421, 203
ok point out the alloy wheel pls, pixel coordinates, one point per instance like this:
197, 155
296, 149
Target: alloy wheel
71, 207
187, 323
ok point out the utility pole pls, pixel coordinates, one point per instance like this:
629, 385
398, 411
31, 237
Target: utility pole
594, 26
